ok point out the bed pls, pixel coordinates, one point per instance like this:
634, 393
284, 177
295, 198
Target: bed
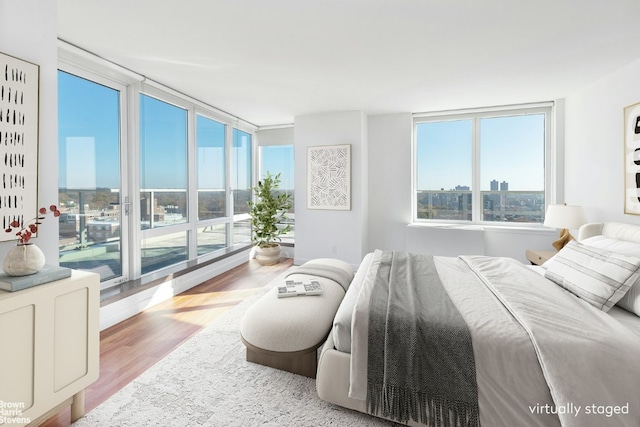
552, 345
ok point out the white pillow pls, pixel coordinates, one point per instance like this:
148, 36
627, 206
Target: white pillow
631, 300
613, 245
598, 276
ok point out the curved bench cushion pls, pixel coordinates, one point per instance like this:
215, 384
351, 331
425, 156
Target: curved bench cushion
293, 323
329, 268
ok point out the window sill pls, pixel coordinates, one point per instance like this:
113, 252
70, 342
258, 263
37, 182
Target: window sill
442, 225
126, 289
485, 227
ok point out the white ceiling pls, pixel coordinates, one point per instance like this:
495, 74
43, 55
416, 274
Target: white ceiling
269, 61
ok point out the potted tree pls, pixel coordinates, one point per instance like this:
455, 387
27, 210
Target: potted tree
267, 214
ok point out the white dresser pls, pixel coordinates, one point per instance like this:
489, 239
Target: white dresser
49, 348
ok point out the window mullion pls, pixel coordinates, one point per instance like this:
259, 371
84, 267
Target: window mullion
133, 147
476, 196
229, 154
192, 190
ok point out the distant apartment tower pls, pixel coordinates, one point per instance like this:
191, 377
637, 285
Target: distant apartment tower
504, 186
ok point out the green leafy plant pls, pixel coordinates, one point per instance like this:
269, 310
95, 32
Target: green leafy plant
268, 211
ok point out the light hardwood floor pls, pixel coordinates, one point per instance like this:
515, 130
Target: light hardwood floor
134, 345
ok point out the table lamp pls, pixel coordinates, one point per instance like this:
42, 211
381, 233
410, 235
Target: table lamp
564, 217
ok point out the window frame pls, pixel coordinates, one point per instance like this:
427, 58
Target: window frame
90, 67
551, 181
124, 90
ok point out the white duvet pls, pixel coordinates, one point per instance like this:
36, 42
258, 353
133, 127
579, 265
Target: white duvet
543, 357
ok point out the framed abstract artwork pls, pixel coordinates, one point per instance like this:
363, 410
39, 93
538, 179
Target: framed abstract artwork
329, 177
19, 121
632, 159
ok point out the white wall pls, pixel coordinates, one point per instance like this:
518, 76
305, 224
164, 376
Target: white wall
28, 30
389, 181
318, 231
594, 144
276, 136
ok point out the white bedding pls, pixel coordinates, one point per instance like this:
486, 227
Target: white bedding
342, 322
499, 404
587, 357
500, 397
515, 377
626, 318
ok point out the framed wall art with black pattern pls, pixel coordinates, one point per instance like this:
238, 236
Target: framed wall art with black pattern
19, 124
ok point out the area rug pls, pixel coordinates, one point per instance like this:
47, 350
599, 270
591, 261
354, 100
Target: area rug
207, 382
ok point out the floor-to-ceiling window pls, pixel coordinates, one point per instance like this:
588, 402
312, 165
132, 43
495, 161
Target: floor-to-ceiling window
91, 197
163, 183
150, 181
211, 184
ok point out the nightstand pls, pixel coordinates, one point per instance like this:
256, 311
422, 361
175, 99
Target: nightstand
539, 257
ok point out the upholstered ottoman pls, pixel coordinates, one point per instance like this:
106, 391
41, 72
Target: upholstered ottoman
285, 333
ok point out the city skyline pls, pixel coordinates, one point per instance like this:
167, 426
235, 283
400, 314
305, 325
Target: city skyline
499, 186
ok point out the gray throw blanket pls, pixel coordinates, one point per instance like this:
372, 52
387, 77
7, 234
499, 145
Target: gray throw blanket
420, 360
330, 272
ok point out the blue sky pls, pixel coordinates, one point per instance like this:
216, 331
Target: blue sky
278, 159
210, 153
163, 145
511, 150
87, 122
89, 127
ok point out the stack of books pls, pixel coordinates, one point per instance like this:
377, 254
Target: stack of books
294, 289
48, 273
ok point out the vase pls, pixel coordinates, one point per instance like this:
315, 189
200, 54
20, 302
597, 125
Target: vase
23, 260
269, 255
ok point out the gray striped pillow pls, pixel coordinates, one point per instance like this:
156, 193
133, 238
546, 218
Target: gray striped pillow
598, 276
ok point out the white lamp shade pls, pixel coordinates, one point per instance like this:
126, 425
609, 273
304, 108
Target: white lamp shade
564, 216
